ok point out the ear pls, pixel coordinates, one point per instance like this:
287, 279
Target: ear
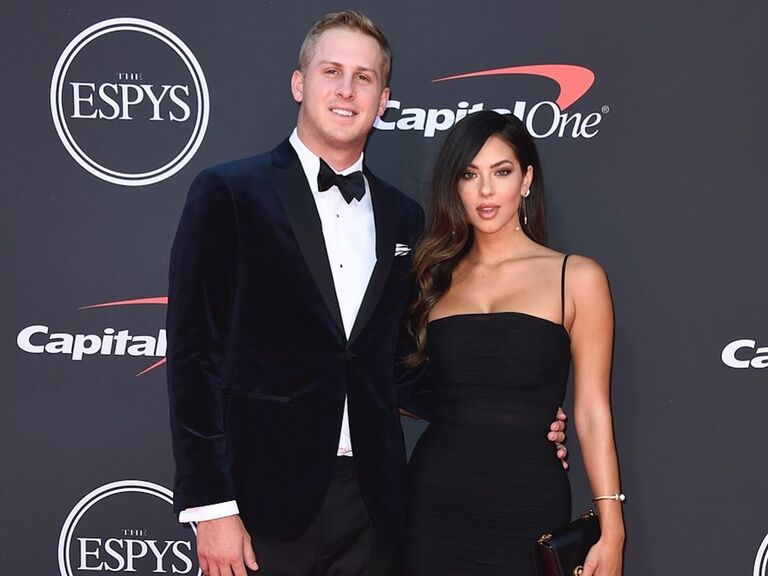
383, 99
528, 178
297, 86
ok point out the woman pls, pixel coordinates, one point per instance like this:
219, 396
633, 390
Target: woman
499, 316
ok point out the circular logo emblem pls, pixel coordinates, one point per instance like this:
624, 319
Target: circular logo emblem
761, 560
129, 101
126, 527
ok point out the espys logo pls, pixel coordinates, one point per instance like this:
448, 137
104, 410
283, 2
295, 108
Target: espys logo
39, 339
126, 527
543, 119
744, 354
129, 101
761, 560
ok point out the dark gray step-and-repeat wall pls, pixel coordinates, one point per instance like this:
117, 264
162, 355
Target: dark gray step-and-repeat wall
651, 118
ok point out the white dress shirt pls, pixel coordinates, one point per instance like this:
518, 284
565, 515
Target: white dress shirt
350, 239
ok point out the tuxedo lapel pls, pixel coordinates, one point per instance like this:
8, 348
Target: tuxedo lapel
296, 197
384, 218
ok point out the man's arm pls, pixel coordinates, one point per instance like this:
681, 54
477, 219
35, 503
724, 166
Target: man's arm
201, 293
202, 283
412, 381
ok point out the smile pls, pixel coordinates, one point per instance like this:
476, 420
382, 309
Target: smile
343, 112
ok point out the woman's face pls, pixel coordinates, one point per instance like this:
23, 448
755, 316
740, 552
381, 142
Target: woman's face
492, 186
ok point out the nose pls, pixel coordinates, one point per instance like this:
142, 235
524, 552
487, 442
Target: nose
484, 187
345, 87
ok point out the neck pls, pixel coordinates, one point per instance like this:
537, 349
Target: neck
338, 158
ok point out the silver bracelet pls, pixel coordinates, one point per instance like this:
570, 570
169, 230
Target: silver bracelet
618, 496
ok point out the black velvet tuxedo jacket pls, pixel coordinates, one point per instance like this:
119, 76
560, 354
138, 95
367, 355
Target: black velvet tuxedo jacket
258, 361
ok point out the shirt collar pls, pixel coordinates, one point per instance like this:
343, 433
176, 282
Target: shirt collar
310, 161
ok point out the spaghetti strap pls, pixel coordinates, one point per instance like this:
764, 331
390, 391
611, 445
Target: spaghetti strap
562, 291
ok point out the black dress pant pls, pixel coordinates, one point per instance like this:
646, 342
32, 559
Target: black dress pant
340, 542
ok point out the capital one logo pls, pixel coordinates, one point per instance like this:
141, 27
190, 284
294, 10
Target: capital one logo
543, 118
42, 339
129, 101
745, 353
126, 527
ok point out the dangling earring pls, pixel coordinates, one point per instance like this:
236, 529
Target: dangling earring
525, 212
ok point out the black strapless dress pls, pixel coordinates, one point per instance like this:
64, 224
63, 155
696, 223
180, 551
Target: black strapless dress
484, 481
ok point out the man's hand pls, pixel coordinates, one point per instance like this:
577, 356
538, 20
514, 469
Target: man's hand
224, 547
557, 435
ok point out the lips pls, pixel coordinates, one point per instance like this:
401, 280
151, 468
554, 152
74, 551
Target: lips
487, 211
343, 112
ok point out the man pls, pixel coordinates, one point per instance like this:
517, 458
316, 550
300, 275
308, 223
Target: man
287, 288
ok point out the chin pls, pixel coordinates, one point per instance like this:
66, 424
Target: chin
492, 227
486, 229
344, 139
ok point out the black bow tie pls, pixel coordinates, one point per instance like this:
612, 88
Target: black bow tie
351, 185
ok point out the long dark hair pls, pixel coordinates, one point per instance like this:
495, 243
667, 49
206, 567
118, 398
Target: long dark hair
449, 235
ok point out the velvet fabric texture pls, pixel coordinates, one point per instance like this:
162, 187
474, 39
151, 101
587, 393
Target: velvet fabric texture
258, 362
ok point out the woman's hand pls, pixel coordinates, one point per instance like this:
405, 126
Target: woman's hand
604, 558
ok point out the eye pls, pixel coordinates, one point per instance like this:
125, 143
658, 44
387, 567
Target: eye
504, 172
332, 71
468, 176
363, 78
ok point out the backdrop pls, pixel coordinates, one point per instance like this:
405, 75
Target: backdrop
650, 119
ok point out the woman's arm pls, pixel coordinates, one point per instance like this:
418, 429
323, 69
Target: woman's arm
591, 330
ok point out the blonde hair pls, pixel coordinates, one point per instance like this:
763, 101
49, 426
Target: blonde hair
350, 20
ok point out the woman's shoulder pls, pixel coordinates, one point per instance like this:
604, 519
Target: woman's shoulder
577, 264
584, 275
581, 265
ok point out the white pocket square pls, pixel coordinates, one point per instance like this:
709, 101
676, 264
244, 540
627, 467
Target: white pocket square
402, 249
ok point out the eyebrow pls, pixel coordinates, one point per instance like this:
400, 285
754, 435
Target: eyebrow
340, 65
496, 165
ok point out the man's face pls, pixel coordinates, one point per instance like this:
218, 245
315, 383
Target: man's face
341, 93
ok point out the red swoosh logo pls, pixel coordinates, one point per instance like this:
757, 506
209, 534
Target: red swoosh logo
134, 302
573, 81
150, 368
157, 300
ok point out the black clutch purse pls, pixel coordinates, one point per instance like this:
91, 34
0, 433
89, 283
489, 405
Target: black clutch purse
563, 553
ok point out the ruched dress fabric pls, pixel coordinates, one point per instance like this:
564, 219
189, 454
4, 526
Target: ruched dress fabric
484, 480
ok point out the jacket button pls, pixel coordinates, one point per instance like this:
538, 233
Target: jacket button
350, 355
